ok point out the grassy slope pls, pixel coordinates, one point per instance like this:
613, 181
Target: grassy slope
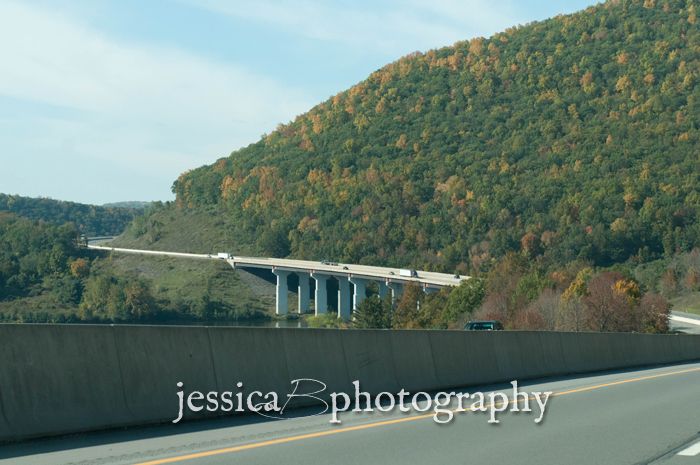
186, 281
189, 280
648, 275
689, 303
196, 231
41, 303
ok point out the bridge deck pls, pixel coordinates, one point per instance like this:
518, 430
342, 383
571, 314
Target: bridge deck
424, 278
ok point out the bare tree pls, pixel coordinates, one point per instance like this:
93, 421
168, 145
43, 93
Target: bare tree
606, 308
549, 306
654, 310
572, 315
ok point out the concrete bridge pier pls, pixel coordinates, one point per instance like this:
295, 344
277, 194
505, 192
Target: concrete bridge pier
430, 290
360, 291
344, 304
303, 293
396, 291
281, 305
383, 289
321, 294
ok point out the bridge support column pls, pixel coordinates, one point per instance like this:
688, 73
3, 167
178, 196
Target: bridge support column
430, 290
303, 293
281, 305
321, 294
360, 291
396, 291
383, 289
344, 306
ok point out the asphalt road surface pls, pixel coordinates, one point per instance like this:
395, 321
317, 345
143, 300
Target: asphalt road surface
646, 416
685, 322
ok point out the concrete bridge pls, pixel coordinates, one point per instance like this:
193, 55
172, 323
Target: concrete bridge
352, 279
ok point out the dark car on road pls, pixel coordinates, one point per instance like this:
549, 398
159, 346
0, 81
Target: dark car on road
491, 325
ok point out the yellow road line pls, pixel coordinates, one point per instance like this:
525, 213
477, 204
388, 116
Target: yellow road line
624, 381
301, 437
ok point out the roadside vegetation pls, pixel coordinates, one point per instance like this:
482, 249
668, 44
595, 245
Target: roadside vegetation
524, 299
46, 277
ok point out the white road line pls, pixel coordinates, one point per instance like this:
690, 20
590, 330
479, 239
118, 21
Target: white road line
691, 451
683, 319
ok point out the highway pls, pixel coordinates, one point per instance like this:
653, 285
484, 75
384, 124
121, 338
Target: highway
643, 416
331, 269
685, 322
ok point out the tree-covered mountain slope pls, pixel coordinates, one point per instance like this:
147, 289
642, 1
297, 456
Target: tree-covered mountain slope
574, 138
92, 220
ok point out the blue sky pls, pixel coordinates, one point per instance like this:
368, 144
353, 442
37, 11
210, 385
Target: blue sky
103, 101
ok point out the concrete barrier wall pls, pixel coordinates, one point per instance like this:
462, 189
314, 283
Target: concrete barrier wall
57, 379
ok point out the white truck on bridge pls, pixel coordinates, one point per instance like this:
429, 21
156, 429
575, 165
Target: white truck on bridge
387, 279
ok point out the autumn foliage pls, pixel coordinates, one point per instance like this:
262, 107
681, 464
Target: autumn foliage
573, 138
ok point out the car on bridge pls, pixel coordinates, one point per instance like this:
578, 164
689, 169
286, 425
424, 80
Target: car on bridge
490, 325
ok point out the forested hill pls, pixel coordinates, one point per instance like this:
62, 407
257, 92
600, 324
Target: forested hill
572, 138
89, 219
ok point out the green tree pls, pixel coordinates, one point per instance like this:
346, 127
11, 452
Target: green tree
373, 312
138, 300
463, 300
407, 313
